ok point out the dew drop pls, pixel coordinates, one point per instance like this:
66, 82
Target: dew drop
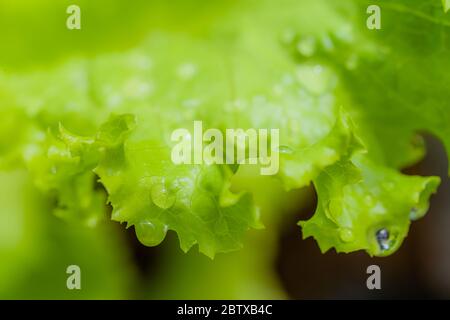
151, 233
161, 196
346, 235
285, 150
382, 236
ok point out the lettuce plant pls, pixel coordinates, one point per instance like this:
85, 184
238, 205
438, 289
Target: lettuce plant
350, 103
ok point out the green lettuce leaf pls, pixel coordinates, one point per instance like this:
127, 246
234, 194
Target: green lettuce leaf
392, 103
350, 105
364, 206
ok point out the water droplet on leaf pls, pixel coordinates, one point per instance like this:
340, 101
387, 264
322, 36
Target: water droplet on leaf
151, 233
162, 196
382, 237
285, 150
346, 235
